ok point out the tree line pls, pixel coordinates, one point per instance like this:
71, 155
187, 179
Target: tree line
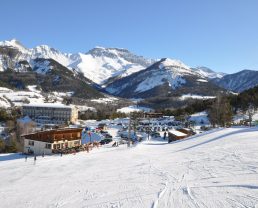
221, 109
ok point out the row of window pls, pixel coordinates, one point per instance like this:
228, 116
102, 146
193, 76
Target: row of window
46, 114
47, 146
64, 145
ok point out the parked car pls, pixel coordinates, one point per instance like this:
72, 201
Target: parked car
103, 132
105, 141
155, 134
108, 136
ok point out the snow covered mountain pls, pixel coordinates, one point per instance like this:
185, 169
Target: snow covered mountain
208, 73
239, 81
98, 65
123, 73
101, 64
16, 52
164, 78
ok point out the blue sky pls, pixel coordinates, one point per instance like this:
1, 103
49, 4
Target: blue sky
220, 34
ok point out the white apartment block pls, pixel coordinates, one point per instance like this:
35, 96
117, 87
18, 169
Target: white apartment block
50, 113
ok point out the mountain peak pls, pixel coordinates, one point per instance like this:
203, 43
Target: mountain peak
13, 43
99, 51
167, 62
204, 68
174, 66
208, 73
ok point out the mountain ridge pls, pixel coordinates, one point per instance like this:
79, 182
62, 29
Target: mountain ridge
105, 67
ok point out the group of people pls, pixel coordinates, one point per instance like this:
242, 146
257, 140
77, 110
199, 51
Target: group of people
116, 144
35, 159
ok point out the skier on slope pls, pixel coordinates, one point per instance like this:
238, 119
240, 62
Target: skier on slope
165, 135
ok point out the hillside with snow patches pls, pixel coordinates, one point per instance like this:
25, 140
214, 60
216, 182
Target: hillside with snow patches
216, 169
238, 82
208, 73
166, 77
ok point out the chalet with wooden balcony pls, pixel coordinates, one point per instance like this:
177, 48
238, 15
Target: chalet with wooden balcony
44, 142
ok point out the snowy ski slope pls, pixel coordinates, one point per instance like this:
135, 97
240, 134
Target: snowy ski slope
215, 169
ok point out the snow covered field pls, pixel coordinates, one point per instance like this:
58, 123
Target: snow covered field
215, 169
10, 97
133, 108
198, 97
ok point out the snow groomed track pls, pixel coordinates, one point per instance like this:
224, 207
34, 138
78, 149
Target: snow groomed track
215, 169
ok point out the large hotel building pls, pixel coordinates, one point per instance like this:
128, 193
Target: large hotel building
50, 113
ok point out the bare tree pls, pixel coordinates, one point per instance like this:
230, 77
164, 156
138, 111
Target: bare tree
220, 112
250, 112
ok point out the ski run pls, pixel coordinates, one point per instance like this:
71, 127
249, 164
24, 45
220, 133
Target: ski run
218, 168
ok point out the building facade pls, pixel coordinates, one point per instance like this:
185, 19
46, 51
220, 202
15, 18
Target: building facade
45, 142
50, 113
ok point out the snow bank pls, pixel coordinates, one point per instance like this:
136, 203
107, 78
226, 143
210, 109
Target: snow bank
105, 100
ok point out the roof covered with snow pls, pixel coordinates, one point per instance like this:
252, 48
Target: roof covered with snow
47, 105
177, 133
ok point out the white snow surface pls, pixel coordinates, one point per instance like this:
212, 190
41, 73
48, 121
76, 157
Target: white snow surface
10, 97
173, 63
99, 69
218, 169
105, 100
169, 71
193, 96
208, 73
177, 133
133, 108
200, 118
160, 77
202, 80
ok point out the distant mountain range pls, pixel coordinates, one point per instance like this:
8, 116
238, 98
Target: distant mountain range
166, 77
112, 71
98, 65
238, 82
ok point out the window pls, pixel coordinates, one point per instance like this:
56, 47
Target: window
48, 146
31, 143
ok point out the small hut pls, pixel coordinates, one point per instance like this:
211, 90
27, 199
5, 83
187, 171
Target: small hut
187, 131
174, 135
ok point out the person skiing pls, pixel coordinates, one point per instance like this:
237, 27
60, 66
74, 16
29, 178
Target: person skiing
35, 158
165, 135
26, 158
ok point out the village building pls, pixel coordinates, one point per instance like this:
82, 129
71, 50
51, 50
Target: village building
153, 115
187, 131
50, 113
45, 142
174, 135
